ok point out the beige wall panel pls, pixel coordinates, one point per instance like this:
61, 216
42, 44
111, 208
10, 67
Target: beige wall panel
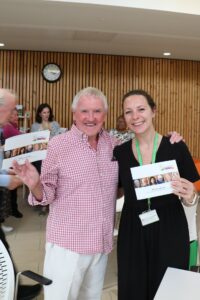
174, 84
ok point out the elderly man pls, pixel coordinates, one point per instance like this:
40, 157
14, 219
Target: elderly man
10, 129
79, 181
7, 104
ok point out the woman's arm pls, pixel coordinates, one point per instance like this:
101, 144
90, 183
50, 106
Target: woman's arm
35, 127
55, 128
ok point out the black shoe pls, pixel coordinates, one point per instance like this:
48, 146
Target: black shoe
28, 292
17, 214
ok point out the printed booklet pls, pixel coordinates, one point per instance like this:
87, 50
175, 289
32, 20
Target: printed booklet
31, 146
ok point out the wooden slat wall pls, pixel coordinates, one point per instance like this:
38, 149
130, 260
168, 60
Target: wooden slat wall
174, 84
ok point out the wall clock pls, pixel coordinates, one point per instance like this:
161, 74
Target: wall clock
51, 72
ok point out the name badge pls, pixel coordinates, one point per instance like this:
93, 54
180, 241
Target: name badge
149, 217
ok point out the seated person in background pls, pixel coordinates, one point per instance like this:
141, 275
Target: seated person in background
44, 121
11, 128
121, 132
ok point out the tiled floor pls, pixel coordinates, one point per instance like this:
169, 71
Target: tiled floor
27, 245
27, 242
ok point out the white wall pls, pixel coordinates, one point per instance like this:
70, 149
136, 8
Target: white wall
182, 6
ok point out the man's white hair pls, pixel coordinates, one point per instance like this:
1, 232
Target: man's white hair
89, 91
3, 95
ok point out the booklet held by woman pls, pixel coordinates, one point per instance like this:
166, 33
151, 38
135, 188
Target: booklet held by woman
154, 180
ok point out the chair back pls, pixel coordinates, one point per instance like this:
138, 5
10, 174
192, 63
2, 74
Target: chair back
7, 277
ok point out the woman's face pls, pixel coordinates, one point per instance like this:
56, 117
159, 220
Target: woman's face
138, 114
45, 113
36, 147
144, 181
44, 146
22, 150
15, 151
167, 177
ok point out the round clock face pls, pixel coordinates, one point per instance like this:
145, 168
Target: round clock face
51, 72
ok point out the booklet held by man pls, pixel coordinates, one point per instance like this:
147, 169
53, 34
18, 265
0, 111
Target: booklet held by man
154, 180
31, 146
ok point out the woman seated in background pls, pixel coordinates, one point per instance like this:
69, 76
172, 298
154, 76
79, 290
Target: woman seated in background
121, 132
44, 120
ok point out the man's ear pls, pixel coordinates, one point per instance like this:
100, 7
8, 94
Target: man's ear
73, 118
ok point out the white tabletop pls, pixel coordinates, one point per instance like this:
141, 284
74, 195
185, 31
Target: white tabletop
179, 285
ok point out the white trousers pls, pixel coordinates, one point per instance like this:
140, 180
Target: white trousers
75, 276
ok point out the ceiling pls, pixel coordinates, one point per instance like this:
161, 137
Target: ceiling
102, 29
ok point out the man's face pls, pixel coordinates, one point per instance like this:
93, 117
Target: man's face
14, 117
90, 115
7, 108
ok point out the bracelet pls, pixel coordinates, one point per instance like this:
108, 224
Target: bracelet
194, 200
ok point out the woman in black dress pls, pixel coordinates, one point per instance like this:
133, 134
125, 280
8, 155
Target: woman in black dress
145, 251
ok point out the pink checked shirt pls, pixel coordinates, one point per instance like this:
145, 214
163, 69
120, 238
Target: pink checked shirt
80, 185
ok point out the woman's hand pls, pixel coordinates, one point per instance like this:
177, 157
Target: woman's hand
184, 189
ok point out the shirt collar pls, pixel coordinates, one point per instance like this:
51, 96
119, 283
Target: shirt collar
81, 135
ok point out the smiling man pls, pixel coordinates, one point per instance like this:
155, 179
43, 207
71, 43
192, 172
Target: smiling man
79, 182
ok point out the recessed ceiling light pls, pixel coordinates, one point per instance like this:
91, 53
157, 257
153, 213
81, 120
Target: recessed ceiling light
166, 53
2, 44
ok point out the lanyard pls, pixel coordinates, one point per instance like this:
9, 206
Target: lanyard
155, 145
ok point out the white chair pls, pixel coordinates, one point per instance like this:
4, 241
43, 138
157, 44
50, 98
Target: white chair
7, 277
8, 286
191, 215
119, 206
